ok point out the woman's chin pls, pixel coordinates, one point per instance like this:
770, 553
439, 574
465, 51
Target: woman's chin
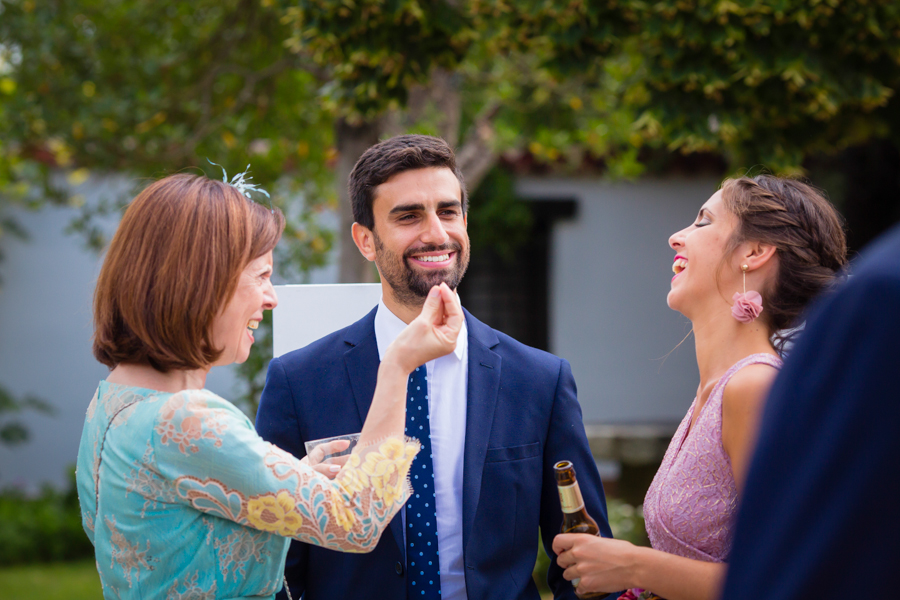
672, 300
676, 303
241, 357
237, 357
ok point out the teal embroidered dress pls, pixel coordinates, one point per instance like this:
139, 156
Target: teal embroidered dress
182, 499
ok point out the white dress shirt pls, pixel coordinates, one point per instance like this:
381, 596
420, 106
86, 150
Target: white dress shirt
447, 382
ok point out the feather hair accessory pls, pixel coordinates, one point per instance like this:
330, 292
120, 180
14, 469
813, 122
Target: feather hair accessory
241, 182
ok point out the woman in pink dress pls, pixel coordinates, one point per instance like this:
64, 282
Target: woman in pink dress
758, 251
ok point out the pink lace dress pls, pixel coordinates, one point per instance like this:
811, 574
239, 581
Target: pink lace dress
690, 506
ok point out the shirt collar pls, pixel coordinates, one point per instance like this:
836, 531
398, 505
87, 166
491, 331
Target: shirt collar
388, 326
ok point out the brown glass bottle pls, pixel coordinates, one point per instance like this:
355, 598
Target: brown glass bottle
575, 518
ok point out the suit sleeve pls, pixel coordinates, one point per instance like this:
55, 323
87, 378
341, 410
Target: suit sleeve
566, 440
277, 422
276, 419
816, 520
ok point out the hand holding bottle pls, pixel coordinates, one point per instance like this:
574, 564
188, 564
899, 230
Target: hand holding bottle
576, 520
595, 565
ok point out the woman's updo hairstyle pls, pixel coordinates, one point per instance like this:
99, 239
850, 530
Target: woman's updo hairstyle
806, 231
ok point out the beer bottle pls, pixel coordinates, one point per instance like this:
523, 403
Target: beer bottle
575, 517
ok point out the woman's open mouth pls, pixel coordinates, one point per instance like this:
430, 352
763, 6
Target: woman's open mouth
679, 265
252, 325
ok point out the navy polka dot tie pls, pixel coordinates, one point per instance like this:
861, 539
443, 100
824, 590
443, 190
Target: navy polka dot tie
423, 569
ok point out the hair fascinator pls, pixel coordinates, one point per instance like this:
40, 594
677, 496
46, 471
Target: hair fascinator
241, 182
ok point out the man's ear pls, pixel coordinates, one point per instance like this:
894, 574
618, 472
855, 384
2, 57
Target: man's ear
364, 239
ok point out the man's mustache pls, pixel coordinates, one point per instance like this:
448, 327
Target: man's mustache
454, 247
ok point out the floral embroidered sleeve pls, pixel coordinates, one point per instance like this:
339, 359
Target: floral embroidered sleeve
215, 460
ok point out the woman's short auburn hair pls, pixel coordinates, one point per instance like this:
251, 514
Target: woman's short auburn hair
172, 266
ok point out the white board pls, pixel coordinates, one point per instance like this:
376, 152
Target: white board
306, 313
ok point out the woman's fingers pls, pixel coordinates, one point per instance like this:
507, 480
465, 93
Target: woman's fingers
453, 314
431, 334
600, 564
565, 560
433, 309
564, 541
333, 447
328, 470
339, 460
317, 455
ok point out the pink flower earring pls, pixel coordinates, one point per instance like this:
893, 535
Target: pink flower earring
748, 305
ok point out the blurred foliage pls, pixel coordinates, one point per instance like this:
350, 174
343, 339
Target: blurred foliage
760, 81
42, 529
148, 89
626, 522
152, 89
12, 431
372, 51
497, 219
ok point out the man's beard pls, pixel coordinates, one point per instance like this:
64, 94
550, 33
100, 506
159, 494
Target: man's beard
409, 286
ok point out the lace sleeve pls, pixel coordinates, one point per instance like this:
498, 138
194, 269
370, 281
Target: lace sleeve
219, 465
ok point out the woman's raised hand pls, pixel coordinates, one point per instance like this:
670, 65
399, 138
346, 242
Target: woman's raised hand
432, 334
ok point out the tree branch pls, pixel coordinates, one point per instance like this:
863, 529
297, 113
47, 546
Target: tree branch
252, 79
477, 155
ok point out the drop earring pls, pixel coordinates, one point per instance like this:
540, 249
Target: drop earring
748, 305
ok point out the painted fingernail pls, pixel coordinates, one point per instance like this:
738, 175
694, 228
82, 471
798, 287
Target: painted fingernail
334, 468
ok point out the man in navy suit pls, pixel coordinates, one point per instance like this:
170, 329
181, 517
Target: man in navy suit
499, 414
818, 518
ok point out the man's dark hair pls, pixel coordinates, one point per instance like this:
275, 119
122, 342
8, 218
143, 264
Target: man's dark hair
390, 157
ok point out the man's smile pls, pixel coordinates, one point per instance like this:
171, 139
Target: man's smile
434, 260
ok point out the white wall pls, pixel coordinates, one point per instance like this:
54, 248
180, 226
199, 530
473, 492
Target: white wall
610, 273
611, 268
45, 340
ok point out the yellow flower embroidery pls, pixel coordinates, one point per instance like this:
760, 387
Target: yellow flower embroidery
342, 511
351, 478
387, 469
275, 514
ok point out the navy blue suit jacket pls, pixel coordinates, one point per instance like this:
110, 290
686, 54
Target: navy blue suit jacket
522, 417
819, 517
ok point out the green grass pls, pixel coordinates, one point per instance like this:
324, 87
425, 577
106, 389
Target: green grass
56, 581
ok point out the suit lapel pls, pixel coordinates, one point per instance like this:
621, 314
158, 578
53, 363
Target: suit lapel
362, 367
361, 361
481, 399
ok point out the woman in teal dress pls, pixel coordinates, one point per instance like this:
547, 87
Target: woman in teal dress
179, 495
